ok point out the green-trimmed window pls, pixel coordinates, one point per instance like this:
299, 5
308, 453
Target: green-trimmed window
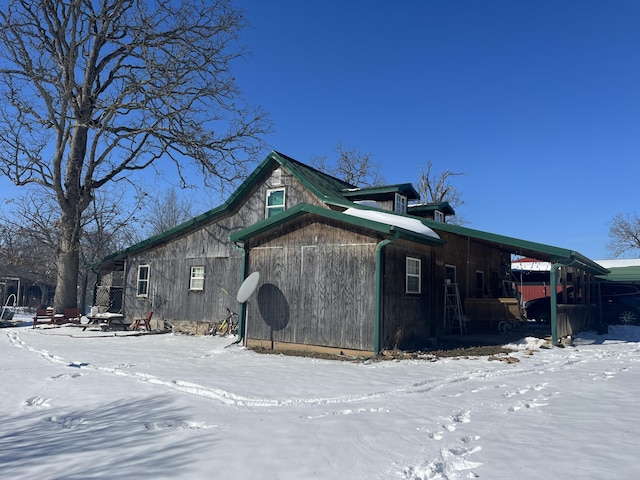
275, 201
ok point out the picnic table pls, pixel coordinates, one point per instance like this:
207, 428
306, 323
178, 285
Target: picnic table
46, 315
106, 321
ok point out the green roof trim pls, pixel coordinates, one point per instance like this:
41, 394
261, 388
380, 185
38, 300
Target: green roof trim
444, 207
622, 274
324, 186
405, 189
523, 247
176, 231
308, 209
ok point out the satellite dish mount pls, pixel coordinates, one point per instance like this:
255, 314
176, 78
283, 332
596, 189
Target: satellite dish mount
245, 291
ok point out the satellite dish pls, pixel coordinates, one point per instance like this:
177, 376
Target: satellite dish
248, 287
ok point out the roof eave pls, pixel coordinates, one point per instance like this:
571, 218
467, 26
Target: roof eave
305, 209
406, 189
515, 245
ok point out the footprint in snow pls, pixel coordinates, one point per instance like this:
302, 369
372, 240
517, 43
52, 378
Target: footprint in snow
65, 375
520, 391
463, 416
435, 435
78, 364
527, 405
450, 463
36, 401
606, 375
527, 388
178, 425
68, 423
346, 412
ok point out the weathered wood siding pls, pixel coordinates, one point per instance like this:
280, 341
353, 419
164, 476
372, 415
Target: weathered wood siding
407, 320
572, 319
316, 287
468, 256
170, 263
169, 271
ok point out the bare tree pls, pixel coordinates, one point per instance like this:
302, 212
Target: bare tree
352, 166
436, 188
624, 234
94, 90
29, 238
166, 211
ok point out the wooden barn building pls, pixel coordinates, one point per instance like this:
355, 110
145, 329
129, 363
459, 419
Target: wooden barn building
341, 268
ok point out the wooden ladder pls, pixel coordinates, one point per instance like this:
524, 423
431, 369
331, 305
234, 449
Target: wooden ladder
453, 316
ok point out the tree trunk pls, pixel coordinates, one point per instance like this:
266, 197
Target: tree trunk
44, 294
66, 295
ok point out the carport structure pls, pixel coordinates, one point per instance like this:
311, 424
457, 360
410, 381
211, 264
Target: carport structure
571, 310
622, 270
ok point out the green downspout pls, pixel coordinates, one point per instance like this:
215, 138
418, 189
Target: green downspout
243, 306
377, 325
554, 303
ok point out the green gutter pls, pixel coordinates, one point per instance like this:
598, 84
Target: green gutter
377, 325
554, 303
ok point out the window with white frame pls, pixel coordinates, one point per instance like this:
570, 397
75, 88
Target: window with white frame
196, 279
400, 204
143, 281
275, 202
438, 216
414, 275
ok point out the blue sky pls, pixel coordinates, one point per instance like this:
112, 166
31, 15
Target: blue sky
537, 102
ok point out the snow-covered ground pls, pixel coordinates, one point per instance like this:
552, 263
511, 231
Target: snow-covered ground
78, 405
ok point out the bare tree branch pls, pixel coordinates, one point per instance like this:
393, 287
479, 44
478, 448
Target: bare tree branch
351, 166
166, 211
436, 188
624, 234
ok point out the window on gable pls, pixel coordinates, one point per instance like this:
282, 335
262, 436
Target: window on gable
400, 204
143, 281
276, 177
438, 216
196, 280
275, 202
414, 275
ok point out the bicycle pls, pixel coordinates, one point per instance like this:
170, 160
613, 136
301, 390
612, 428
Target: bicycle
229, 326
507, 325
